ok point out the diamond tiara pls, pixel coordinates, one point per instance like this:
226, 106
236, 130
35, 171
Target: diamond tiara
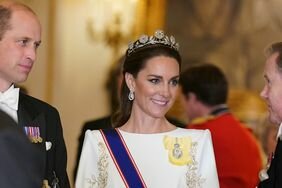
158, 38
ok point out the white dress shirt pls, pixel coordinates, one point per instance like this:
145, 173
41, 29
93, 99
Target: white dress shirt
279, 133
9, 102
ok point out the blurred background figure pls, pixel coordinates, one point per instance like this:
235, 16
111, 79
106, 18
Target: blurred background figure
237, 153
19, 164
251, 110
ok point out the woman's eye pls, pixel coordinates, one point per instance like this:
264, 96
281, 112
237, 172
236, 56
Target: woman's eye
174, 82
154, 81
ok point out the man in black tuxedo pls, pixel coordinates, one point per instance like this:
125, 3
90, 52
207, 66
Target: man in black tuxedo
272, 93
20, 36
19, 164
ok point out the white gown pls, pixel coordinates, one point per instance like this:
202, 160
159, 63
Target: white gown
153, 156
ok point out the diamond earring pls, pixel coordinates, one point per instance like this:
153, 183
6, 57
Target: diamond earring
131, 96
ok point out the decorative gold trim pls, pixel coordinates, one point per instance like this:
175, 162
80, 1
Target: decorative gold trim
193, 179
103, 163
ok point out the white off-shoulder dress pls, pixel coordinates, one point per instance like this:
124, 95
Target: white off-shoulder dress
155, 160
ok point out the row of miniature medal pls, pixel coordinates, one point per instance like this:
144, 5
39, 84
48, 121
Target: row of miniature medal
33, 134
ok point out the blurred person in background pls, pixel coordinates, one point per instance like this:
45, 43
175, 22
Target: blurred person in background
237, 154
251, 110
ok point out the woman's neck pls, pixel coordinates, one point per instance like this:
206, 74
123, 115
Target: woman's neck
147, 125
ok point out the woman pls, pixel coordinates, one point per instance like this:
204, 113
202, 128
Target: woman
145, 150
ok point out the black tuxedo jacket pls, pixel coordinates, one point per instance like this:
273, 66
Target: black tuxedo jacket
35, 113
19, 166
275, 170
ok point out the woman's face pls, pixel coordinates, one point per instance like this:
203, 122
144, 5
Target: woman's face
155, 86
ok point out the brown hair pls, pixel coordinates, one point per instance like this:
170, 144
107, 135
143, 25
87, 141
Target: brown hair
133, 64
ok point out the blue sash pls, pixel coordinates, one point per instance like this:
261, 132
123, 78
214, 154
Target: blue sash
122, 159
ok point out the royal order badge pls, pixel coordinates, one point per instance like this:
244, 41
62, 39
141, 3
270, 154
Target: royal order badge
178, 149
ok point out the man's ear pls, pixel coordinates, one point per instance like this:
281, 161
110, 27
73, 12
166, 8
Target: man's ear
130, 81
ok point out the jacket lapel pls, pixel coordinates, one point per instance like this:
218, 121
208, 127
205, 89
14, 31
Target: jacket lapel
274, 171
30, 117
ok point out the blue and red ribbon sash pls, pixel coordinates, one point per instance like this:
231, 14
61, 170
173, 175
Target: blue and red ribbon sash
122, 158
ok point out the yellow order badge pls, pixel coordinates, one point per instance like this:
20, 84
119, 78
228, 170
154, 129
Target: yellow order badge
178, 149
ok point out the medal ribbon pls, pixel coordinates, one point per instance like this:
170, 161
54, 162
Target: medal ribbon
122, 158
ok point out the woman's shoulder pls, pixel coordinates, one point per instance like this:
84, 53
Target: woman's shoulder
93, 135
90, 132
193, 132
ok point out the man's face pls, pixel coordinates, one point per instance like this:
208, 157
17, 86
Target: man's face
272, 91
18, 48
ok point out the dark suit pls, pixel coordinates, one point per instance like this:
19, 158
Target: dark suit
19, 165
275, 170
35, 113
